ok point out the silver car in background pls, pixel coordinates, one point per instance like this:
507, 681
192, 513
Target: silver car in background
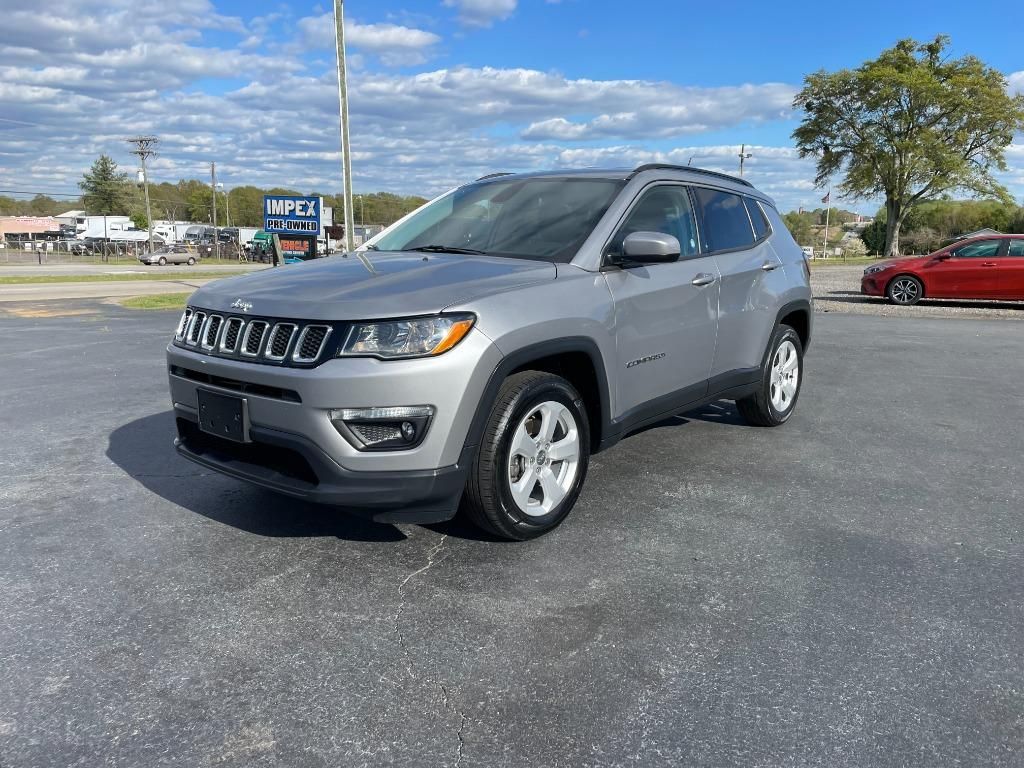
170, 254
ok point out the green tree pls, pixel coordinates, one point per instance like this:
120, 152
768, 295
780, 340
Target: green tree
105, 190
800, 226
874, 235
911, 125
139, 220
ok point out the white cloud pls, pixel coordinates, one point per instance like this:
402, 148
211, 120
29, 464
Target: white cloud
71, 91
482, 13
1016, 82
393, 44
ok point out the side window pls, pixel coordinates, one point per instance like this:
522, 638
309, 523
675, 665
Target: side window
756, 218
725, 220
983, 249
1016, 248
664, 209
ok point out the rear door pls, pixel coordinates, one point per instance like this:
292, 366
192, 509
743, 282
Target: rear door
971, 273
665, 314
736, 232
1011, 271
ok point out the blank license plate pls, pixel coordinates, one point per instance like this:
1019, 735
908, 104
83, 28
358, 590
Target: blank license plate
223, 416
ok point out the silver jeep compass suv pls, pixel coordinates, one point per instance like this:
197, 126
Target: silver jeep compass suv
477, 352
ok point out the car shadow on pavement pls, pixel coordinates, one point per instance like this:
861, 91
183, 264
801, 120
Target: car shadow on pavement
849, 297
144, 450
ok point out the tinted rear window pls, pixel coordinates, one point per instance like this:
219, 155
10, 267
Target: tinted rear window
756, 218
726, 223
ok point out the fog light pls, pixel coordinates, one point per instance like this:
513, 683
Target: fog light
388, 428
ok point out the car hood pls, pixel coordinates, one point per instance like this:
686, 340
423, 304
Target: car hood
903, 261
371, 285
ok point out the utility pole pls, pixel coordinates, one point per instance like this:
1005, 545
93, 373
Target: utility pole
145, 147
346, 159
216, 231
744, 155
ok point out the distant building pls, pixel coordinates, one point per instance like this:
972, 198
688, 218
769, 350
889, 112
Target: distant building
29, 227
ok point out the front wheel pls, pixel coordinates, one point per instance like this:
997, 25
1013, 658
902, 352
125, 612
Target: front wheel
532, 460
905, 290
781, 376
162, 262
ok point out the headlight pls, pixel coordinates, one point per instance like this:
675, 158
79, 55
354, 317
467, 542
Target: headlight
416, 337
873, 269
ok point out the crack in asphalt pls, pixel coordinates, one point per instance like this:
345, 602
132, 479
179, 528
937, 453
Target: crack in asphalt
446, 699
431, 559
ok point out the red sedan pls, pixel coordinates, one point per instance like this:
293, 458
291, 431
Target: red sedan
990, 267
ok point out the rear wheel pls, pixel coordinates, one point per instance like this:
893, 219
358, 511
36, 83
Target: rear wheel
162, 262
533, 458
191, 261
781, 376
905, 289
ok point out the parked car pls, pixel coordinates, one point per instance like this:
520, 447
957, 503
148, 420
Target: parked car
988, 267
481, 349
170, 254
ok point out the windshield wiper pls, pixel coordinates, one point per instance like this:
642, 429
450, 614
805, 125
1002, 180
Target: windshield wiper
446, 249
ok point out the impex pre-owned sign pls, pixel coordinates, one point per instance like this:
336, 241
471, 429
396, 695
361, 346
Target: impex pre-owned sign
289, 215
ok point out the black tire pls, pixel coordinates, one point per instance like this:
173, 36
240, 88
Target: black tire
488, 501
758, 409
162, 262
191, 261
905, 290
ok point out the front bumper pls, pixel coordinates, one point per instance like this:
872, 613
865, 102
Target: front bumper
873, 285
297, 450
293, 465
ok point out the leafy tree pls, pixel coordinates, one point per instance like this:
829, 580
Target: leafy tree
105, 189
874, 235
139, 220
911, 125
799, 225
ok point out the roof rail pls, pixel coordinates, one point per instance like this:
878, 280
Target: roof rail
495, 175
690, 169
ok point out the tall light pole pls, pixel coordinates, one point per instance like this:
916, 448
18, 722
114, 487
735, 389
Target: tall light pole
339, 26
227, 202
744, 156
145, 147
216, 231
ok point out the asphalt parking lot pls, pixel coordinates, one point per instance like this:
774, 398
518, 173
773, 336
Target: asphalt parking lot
847, 590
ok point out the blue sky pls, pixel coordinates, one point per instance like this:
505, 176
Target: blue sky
444, 90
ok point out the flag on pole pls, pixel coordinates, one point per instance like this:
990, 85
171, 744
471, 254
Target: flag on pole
827, 197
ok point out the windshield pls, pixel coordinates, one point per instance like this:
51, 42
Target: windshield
537, 218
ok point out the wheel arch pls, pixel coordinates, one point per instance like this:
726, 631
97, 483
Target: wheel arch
797, 315
576, 359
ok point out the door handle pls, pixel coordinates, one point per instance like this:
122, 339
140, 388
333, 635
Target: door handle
703, 279
989, 264
768, 266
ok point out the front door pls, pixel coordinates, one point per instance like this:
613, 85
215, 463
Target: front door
972, 272
665, 314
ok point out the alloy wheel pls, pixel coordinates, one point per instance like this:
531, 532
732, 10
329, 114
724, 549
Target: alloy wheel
544, 458
785, 376
905, 291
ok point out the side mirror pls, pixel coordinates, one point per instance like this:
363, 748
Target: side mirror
651, 248
944, 256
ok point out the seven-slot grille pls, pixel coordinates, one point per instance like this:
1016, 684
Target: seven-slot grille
253, 338
311, 341
280, 339
195, 328
260, 340
232, 332
212, 329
